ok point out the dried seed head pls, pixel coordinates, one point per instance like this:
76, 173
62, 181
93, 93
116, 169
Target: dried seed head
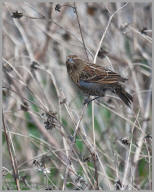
50, 120
66, 36
58, 8
118, 185
148, 136
102, 53
24, 106
63, 101
17, 15
143, 30
86, 159
125, 141
34, 65
7, 67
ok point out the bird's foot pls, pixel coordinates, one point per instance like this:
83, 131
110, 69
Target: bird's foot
88, 100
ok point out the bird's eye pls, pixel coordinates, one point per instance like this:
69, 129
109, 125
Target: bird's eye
70, 60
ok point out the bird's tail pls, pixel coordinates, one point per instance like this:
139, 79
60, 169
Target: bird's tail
124, 96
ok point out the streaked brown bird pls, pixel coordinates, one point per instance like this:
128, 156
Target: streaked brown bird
95, 80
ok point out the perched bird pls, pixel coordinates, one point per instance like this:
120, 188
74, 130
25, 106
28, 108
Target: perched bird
95, 80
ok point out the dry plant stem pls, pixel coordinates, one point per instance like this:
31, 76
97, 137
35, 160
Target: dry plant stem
13, 160
65, 143
65, 178
92, 151
50, 139
26, 40
96, 171
72, 148
147, 38
17, 73
82, 165
23, 34
78, 124
88, 144
103, 36
66, 149
94, 155
72, 172
76, 11
57, 40
105, 164
149, 161
128, 164
47, 40
63, 158
43, 100
145, 110
48, 179
120, 115
23, 98
95, 58
71, 35
68, 31
91, 148
25, 85
66, 146
141, 138
140, 99
53, 80
42, 129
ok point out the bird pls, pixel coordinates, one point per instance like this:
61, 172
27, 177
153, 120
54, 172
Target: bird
95, 80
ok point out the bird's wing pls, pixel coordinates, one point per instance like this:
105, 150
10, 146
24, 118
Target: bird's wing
98, 74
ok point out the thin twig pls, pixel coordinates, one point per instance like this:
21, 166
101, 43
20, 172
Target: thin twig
78, 123
76, 11
103, 36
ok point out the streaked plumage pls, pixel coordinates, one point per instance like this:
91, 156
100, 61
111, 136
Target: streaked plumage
94, 80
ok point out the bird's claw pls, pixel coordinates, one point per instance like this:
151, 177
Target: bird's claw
86, 101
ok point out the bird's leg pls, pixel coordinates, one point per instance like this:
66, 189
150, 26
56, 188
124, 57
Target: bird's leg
88, 100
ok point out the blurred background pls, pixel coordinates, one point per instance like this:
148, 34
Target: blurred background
42, 109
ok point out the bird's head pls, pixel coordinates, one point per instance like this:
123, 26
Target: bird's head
74, 63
